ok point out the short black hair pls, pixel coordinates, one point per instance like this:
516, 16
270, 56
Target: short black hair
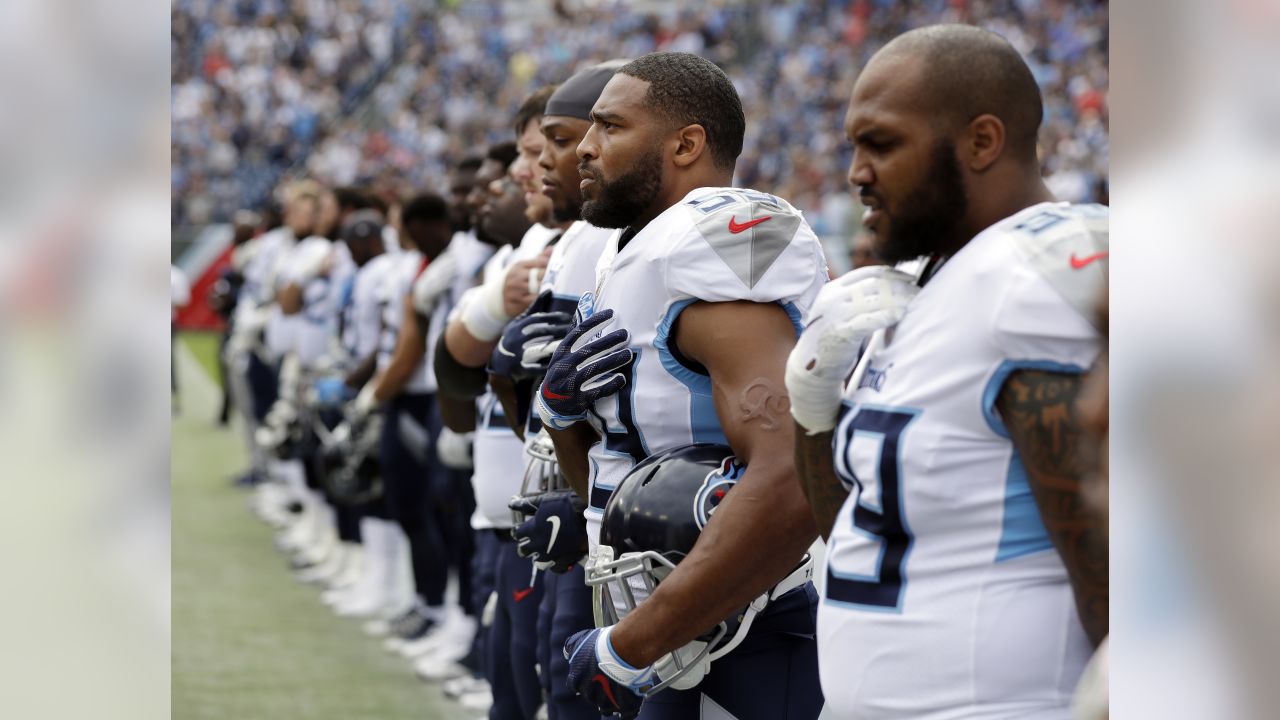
969, 72
691, 90
470, 163
505, 153
534, 106
424, 207
351, 198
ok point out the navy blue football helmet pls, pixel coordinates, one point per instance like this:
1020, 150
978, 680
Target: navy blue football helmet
650, 523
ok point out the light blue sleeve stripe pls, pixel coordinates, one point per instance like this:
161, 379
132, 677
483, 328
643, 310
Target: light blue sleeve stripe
1022, 531
702, 410
1002, 373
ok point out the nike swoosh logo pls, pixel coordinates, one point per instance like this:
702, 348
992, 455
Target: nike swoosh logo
604, 684
552, 396
505, 351
735, 227
555, 530
521, 594
1077, 263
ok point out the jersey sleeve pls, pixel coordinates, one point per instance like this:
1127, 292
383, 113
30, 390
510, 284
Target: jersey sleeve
1041, 318
756, 248
1045, 313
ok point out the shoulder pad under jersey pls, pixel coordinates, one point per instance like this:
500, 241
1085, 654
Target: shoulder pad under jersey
747, 229
1067, 245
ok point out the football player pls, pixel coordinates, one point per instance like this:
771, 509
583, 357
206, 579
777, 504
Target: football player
683, 338
552, 536
965, 577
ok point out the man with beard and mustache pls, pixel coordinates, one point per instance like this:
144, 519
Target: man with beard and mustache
705, 285
944, 595
551, 535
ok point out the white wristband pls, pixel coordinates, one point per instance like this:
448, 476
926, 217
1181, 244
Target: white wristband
815, 401
485, 317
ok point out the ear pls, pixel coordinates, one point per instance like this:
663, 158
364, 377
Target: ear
691, 143
983, 142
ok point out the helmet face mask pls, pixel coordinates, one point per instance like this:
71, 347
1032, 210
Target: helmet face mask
653, 520
619, 585
542, 473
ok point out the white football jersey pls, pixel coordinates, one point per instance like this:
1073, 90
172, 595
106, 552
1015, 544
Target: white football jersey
398, 283
715, 245
944, 596
317, 323
362, 315
571, 272
499, 452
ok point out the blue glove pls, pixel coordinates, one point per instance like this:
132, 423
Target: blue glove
555, 533
601, 677
332, 392
582, 371
527, 343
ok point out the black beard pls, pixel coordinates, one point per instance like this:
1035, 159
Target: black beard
570, 212
620, 203
936, 211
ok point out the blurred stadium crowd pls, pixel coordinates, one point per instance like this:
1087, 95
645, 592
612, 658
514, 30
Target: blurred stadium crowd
389, 95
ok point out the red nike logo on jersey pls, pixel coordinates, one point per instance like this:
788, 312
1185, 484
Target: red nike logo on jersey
553, 396
1077, 263
521, 594
735, 227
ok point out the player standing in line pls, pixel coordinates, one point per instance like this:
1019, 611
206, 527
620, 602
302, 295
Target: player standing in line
404, 387
553, 537
705, 284
956, 471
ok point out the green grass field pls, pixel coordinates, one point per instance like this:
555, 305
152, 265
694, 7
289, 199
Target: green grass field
249, 642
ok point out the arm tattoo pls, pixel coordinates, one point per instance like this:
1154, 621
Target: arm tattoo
815, 466
1039, 410
764, 401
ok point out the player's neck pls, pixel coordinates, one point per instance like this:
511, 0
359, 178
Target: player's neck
996, 206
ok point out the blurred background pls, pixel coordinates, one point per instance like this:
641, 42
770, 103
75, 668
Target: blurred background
387, 95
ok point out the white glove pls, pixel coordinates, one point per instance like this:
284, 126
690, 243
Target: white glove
847, 311
364, 403
486, 315
454, 449
311, 261
433, 282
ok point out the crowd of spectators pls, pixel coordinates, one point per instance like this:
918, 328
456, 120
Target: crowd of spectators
390, 93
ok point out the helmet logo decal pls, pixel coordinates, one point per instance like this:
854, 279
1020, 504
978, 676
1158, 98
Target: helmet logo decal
714, 488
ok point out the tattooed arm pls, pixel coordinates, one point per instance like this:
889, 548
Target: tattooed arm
761, 529
1039, 410
815, 466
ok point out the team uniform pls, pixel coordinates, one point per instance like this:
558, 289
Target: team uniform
715, 245
944, 597
316, 324
499, 469
408, 445
362, 311
566, 600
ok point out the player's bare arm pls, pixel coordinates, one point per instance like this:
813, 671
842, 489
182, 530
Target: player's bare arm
572, 445
764, 526
290, 299
362, 372
516, 292
1039, 410
411, 346
505, 389
457, 414
815, 468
